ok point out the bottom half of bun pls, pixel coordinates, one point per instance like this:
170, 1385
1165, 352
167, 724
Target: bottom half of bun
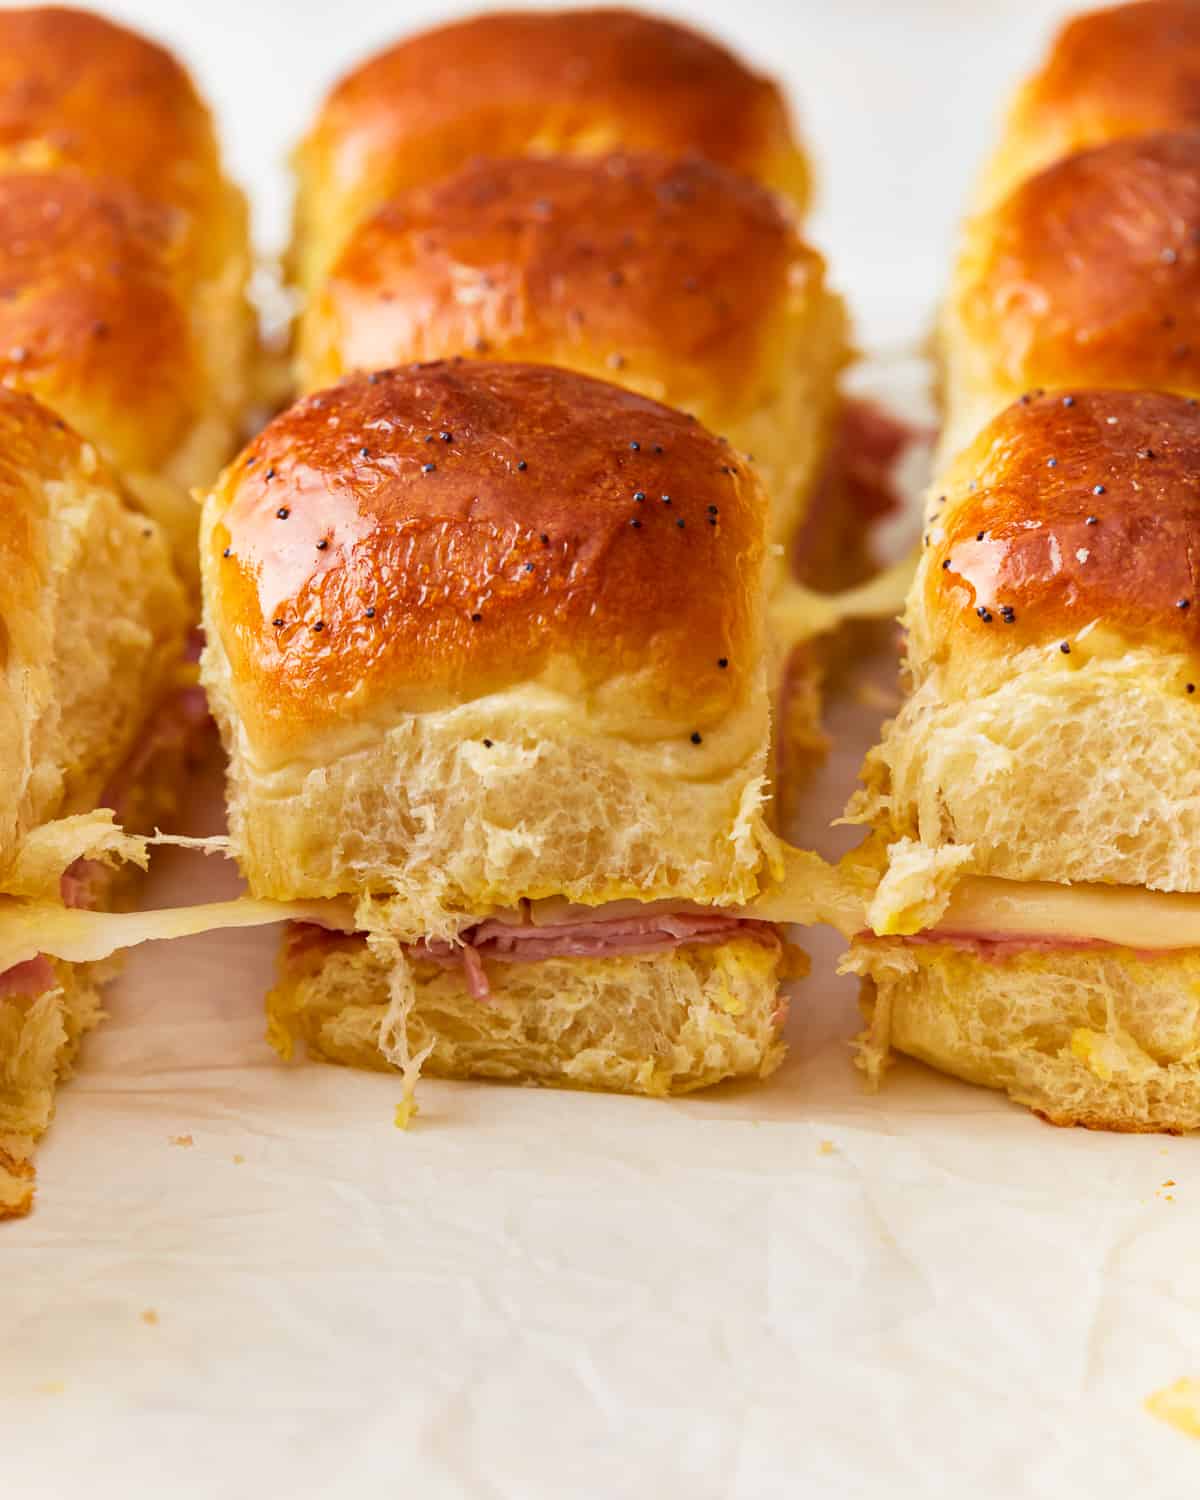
39, 1041
1095, 1036
655, 1024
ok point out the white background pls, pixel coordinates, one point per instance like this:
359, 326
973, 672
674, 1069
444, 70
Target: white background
797, 1290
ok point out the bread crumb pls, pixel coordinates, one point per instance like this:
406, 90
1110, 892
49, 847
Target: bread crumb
1170, 1182
150, 1317
181, 1140
1178, 1405
826, 1148
238, 1158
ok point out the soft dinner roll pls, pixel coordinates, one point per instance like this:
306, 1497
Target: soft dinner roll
94, 712
484, 635
531, 83
677, 279
1128, 70
1052, 734
1086, 274
118, 228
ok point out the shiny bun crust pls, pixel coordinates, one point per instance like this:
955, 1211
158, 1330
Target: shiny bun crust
487, 516
516, 83
93, 620
1123, 71
655, 1024
1106, 1039
1068, 511
92, 319
128, 252
82, 92
677, 279
1087, 274
437, 559
1054, 723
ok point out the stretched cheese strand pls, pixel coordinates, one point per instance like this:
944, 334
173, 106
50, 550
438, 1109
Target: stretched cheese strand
28, 928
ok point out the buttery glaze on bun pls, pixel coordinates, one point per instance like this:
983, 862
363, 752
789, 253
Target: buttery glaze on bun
517, 83
124, 254
1122, 71
80, 92
479, 632
1087, 274
678, 279
1054, 648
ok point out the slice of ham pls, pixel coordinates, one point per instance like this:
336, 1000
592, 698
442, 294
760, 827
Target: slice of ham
504, 940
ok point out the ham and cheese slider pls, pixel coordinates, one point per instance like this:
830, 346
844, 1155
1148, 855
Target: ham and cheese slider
1035, 802
530, 83
124, 253
486, 647
95, 713
678, 279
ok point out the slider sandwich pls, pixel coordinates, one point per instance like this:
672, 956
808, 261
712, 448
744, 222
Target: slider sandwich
124, 254
530, 83
483, 687
677, 279
95, 718
1034, 805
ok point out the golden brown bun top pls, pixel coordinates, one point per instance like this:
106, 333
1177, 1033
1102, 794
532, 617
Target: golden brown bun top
669, 274
1070, 509
1124, 71
515, 83
90, 319
420, 537
78, 90
1089, 273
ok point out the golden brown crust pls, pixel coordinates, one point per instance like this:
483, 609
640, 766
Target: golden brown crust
517, 83
78, 90
669, 274
429, 534
90, 317
1089, 273
1069, 509
1119, 72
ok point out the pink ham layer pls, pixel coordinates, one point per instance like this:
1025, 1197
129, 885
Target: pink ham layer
512, 943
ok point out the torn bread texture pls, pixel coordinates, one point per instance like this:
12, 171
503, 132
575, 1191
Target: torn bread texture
1067, 768
1100, 1037
651, 1024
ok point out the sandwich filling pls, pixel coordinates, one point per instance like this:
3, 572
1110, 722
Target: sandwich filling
537, 931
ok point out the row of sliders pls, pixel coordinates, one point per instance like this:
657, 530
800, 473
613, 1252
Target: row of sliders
497, 625
1035, 805
127, 356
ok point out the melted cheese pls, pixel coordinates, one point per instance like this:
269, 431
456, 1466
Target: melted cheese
28, 928
797, 613
1124, 916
